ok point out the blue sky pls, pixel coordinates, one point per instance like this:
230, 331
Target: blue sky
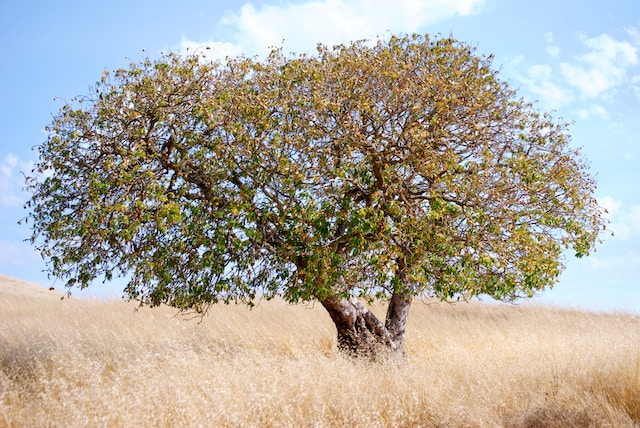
580, 59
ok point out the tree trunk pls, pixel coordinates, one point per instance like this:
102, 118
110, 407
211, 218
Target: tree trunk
361, 334
397, 316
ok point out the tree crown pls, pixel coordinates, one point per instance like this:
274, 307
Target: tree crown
402, 166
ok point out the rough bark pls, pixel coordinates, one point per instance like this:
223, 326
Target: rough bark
361, 334
397, 316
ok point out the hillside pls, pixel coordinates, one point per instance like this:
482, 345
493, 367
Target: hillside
12, 288
76, 362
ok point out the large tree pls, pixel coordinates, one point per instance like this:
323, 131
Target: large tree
380, 170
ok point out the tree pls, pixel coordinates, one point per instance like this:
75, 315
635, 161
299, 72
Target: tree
379, 171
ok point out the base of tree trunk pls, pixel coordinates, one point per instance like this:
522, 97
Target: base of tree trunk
361, 334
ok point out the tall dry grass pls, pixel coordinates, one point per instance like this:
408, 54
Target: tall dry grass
84, 363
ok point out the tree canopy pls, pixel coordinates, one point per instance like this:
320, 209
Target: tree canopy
397, 168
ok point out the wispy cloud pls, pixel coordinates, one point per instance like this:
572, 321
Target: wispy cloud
218, 50
604, 66
622, 262
16, 253
299, 27
12, 180
552, 49
540, 81
594, 110
593, 78
624, 220
619, 255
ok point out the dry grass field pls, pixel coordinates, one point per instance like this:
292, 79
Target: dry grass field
75, 362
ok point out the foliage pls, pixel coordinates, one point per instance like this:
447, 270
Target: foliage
403, 166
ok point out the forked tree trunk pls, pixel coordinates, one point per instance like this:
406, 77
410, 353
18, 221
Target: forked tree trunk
361, 334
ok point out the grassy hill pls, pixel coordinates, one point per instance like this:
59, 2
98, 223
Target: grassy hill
77, 362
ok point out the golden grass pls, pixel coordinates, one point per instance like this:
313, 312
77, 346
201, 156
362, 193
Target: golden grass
84, 363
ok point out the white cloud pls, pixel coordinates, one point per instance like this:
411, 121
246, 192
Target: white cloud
552, 49
594, 110
554, 95
219, 50
299, 27
605, 68
634, 35
16, 253
602, 68
540, 72
636, 91
548, 36
540, 81
627, 261
624, 220
11, 179
612, 205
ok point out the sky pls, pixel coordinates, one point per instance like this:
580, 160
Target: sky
577, 59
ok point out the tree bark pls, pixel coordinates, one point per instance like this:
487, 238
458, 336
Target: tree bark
397, 316
361, 334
